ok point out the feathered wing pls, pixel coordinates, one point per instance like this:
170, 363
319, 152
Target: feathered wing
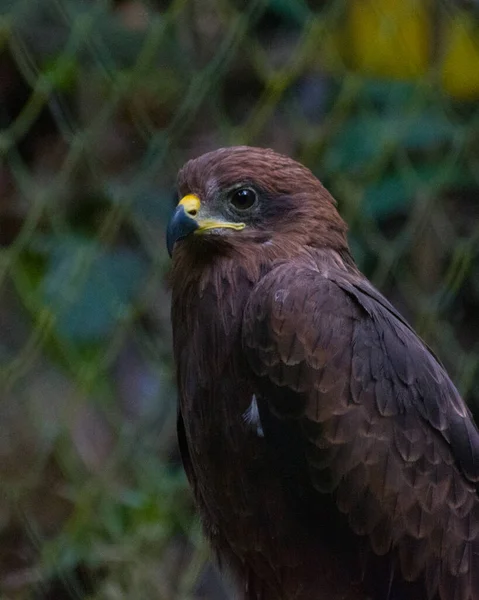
383, 427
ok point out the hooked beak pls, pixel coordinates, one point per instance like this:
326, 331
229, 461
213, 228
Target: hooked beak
185, 220
182, 222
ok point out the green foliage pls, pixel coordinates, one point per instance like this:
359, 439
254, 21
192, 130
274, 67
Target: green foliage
394, 143
90, 289
102, 102
119, 519
292, 11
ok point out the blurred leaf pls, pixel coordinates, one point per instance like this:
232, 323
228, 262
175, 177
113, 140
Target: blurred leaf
115, 519
367, 137
426, 130
90, 289
360, 141
296, 11
152, 203
358, 249
394, 194
388, 197
388, 94
61, 72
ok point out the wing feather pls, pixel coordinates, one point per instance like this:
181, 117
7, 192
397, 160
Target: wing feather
384, 429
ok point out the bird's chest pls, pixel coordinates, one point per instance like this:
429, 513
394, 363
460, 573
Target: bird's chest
238, 484
230, 458
257, 513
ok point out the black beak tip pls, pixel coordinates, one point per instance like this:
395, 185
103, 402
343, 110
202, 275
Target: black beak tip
179, 227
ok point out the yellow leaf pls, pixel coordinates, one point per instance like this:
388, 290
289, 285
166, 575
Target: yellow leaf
460, 67
389, 37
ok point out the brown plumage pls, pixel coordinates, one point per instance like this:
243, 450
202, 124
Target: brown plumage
329, 453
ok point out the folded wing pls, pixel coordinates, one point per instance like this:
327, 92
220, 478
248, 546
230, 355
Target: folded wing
383, 428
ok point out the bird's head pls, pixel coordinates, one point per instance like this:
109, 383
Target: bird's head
243, 196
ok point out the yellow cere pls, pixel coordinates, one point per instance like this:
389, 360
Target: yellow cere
191, 204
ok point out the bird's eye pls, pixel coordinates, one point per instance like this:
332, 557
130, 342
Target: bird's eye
243, 198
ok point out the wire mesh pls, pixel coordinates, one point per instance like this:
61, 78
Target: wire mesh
101, 103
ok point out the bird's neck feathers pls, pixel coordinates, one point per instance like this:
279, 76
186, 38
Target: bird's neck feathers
217, 264
208, 299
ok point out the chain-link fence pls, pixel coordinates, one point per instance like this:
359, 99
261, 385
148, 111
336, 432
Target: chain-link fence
100, 103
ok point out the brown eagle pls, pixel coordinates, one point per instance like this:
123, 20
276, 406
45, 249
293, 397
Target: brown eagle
329, 453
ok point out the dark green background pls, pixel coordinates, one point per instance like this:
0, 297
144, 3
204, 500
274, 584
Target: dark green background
100, 104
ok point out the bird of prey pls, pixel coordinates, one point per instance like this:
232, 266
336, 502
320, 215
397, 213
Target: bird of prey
329, 453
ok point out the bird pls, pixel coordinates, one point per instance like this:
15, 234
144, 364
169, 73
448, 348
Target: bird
329, 454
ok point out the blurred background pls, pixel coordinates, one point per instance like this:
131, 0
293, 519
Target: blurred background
100, 103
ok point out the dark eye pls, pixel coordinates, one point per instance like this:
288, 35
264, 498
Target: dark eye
243, 198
